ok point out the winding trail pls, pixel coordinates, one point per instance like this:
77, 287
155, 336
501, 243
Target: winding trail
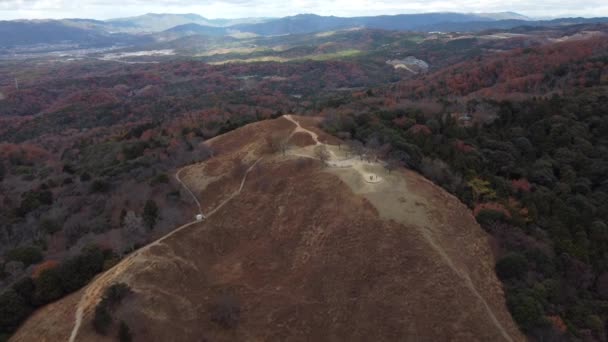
468, 282
89, 291
299, 128
237, 191
198, 204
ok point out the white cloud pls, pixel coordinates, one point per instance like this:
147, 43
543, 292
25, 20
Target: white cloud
102, 9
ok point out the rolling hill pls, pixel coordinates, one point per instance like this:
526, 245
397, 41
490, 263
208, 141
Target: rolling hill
291, 250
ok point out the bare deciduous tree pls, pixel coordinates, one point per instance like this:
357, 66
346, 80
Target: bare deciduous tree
203, 152
322, 154
344, 136
133, 230
356, 148
440, 172
391, 164
373, 146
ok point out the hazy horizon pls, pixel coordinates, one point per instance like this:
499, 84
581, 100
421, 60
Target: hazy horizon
231, 9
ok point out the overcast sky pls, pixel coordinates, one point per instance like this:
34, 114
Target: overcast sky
104, 9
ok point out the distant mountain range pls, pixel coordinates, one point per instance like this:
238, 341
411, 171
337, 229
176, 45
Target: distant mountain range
475, 26
153, 22
309, 23
162, 27
84, 33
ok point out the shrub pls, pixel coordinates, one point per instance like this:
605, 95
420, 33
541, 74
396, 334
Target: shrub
134, 150
77, 271
49, 226
102, 320
28, 255
85, 177
226, 312
441, 173
527, 311
67, 168
32, 200
48, 287
150, 214
489, 216
124, 333
113, 295
116, 293
13, 309
100, 186
26, 288
159, 179
513, 265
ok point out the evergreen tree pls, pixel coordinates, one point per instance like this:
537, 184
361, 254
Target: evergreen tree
150, 214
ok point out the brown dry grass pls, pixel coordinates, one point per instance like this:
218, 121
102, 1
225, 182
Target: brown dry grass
309, 255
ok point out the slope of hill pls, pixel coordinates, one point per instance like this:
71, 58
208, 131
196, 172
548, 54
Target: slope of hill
294, 251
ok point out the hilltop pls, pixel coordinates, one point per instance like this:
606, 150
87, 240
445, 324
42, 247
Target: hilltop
295, 250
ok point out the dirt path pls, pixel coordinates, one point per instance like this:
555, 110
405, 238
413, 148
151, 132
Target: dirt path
89, 291
299, 128
236, 192
468, 282
198, 204
78, 320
